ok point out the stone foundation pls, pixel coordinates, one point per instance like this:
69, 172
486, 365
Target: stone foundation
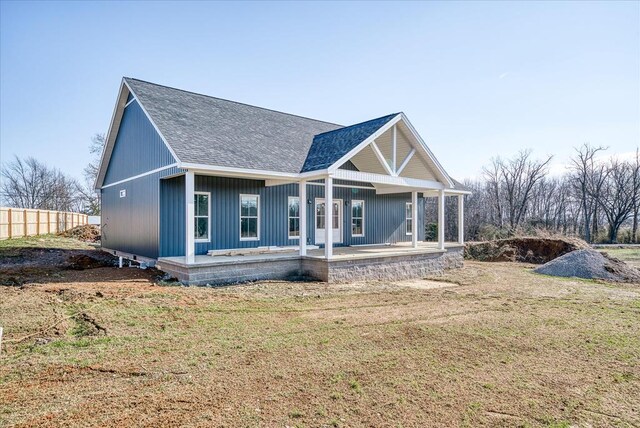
390, 267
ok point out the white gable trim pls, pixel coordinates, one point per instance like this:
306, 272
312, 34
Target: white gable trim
164, 140
427, 150
364, 144
114, 128
371, 139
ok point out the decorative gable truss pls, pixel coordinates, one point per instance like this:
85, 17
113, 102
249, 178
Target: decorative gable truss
394, 159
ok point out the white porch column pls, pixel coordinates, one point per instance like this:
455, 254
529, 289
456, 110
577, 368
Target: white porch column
328, 217
189, 249
414, 216
441, 219
460, 219
302, 197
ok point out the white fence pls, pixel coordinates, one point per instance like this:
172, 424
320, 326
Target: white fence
18, 222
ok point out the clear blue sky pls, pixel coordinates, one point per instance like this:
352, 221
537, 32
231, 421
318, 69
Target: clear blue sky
476, 79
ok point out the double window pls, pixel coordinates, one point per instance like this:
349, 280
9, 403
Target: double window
357, 218
409, 218
202, 207
294, 217
249, 217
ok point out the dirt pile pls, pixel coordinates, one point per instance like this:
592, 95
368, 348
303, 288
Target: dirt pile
87, 233
25, 265
522, 249
590, 264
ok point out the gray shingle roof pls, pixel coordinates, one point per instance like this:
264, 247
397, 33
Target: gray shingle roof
329, 147
212, 131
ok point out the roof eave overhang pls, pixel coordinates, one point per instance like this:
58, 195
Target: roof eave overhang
114, 127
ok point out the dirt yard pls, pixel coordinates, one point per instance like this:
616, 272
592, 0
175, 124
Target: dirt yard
492, 345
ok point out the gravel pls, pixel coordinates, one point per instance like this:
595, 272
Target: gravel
590, 264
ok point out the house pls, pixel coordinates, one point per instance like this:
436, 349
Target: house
216, 191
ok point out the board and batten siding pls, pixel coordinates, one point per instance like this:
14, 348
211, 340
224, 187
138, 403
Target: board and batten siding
138, 147
384, 214
130, 224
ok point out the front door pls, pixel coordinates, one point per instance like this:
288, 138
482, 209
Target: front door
321, 221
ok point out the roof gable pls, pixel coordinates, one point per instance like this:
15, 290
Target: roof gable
212, 131
329, 147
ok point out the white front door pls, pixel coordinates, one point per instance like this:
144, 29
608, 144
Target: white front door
321, 221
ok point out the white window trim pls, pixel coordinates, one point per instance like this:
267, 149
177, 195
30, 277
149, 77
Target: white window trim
358, 235
208, 239
408, 204
257, 238
289, 217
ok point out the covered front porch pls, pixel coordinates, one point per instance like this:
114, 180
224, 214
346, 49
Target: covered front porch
348, 264
359, 213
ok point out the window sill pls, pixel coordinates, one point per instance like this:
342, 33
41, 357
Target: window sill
294, 238
357, 236
249, 239
202, 241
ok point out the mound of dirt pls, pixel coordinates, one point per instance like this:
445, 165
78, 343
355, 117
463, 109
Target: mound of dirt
84, 261
522, 249
590, 264
87, 233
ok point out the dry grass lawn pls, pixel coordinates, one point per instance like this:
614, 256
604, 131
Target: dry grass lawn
496, 346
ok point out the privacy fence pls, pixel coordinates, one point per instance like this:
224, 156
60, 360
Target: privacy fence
18, 222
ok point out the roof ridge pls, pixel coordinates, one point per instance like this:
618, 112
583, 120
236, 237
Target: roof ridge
231, 101
356, 124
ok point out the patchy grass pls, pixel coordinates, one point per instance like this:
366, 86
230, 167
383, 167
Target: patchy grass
43, 241
629, 255
504, 347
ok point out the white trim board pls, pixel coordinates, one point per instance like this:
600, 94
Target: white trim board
141, 175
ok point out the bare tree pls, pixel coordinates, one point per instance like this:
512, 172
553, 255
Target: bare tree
617, 198
90, 196
636, 196
30, 183
587, 179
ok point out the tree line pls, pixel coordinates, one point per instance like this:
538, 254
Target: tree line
597, 198
30, 183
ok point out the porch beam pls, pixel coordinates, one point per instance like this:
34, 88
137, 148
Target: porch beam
381, 158
414, 217
406, 161
276, 182
370, 177
189, 248
396, 189
460, 219
328, 217
441, 219
302, 199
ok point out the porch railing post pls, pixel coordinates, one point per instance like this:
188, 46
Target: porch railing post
441, 219
190, 250
460, 219
328, 217
415, 222
302, 207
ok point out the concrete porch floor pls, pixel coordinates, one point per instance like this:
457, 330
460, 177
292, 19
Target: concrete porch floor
339, 253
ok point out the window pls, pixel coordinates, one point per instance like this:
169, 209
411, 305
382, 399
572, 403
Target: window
201, 213
409, 217
357, 218
249, 217
294, 217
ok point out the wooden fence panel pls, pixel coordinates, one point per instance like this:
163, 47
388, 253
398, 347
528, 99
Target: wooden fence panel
19, 222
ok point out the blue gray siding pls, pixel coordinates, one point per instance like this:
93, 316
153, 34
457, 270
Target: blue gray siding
384, 214
130, 224
138, 147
